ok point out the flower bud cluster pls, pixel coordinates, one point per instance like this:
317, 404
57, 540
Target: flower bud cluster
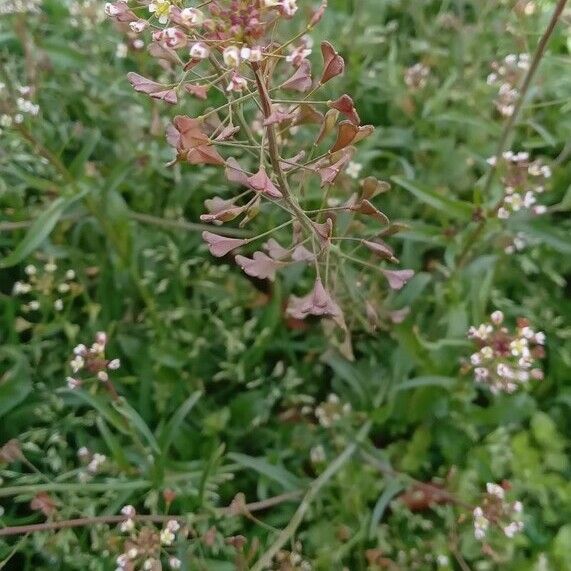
495, 510
506, 361
46, 288
523, 181
92, 362
145, 546
416, 77
331, 411
507, 75
15, 107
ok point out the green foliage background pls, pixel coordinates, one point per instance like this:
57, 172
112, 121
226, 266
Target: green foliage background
90, 169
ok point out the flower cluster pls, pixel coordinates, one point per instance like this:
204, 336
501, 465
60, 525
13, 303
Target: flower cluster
507, 75
46, 288
523, 181
233, 47
20, 7
85, 14
15, 107
93, 462
518, 243
291, 560
495, 510
416, 76
505, 361
331, 411
145, 545
93, 362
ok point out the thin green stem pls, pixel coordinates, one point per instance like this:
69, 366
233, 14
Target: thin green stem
508, 129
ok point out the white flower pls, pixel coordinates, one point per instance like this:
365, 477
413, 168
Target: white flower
540, 338
77, 363
495, 490
102, 376
173, 525
72, 384
58, 304
174, 563
138, 26
161, 9
21, 288
503, 213
111, 10
69, 275
114, 364
289, 7
30, 270
231, 56
121, 51
481, 374
354, 169
129, 511
167, 537
192, 16
199, 51
237, 83
317, 454
497, 317
126, 526
517, 507
512, 529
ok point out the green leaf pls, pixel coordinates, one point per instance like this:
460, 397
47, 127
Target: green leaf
450, 206
40, 229
113, 444
101, 405
427, 381
393, 488
276, 473
135, 420
173, 425
77, 165
15, 383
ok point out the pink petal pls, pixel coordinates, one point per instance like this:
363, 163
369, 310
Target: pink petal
219, 246
261, 183
260, 266
398, 278
235, 173
301, 80
381, 249
276, 250
199, 91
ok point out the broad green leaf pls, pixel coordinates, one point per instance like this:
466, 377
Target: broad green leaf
15, 383
113, 444
393, 488
276, 473
427, 381
173, 425
135, 421
451, 206
40, 229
